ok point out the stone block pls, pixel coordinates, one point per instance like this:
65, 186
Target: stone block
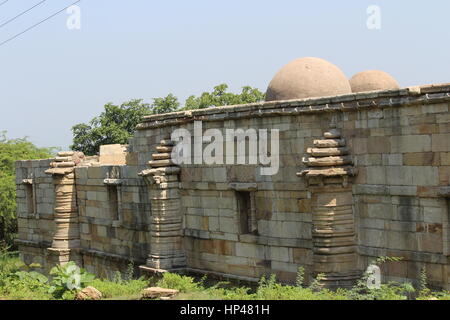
228, 225
304, 205
403, 190
376, 175
445, 158
441, 142
251, 250
280, 254
379, 210
302, 256
194, 222
429, 242
410, 143
435, 108
378, 145
101, 231
373, 238
421, 159
413, 175
213, 224
359, 146
284, 266
433, 214
444, 176
220, 174
96, 173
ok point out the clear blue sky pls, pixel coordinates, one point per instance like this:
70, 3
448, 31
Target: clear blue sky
52, 78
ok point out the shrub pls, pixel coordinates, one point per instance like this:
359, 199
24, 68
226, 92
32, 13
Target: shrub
179, 282
123, 289
68, 279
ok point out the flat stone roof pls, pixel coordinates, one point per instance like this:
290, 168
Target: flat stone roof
427, 94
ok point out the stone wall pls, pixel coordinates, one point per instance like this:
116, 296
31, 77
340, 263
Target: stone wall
114, 217
35, 205
394, 202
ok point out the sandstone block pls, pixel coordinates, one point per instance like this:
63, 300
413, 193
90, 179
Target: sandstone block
410, 143
421, 159
156, 292
88, 293
441, 142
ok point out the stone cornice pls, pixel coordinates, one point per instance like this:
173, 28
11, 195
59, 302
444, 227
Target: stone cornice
428, 94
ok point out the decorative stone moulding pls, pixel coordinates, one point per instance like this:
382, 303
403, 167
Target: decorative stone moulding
240, 186
166, 251
67, 233
329, 162
113, 177
330, 168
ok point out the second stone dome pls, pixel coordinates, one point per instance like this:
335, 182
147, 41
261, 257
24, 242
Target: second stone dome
307, 78
373, 80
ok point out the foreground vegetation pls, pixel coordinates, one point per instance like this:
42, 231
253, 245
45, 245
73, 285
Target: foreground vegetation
21, 282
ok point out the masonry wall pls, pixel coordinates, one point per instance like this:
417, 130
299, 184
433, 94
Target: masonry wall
400, 148
211, 226
400, 191
400, 144
35, 202
112, 237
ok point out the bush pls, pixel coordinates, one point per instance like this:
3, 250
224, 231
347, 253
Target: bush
68, 279
179, 282
123, 289
269, 289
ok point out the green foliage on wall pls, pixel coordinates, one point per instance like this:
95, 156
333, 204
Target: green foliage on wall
12, 150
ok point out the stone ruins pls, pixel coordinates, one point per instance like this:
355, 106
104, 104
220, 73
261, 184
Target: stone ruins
364, 172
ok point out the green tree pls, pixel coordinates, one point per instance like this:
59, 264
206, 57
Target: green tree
220, 97
165, 105
12, 150
116, 124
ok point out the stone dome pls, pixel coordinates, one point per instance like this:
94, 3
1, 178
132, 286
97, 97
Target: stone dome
373, 80
307, 78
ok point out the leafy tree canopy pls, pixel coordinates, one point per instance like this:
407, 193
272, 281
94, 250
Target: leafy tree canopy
116, 124
220, 97
12, 150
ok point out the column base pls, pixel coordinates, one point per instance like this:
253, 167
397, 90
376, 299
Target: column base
63, 256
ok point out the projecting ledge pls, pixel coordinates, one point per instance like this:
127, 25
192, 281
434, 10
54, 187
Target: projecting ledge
238, 186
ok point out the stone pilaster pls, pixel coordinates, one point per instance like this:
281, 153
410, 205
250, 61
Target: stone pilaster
166, 252
329, 181
66, 239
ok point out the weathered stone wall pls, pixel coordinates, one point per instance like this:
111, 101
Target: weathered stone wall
209, 206
112, 229
35, 203
398, 143
400, 191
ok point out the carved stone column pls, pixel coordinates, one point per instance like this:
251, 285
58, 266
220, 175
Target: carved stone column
329, 181
166, 252
66, 239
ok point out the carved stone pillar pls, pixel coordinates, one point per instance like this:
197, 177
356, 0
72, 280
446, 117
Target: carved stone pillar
66, 239
329, 181
166, 252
